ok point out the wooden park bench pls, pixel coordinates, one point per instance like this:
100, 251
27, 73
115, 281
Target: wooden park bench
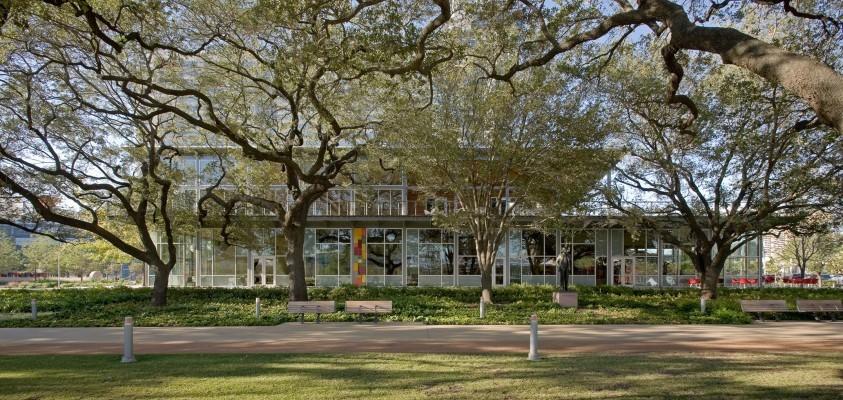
314, 307
375, 307
764, 306
817, 307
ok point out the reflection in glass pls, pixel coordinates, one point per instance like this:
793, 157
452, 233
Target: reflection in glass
469, 266
583, 256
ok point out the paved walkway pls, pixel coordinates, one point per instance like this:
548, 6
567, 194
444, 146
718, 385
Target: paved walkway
351, 337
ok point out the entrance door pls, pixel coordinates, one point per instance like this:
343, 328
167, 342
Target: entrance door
262, 271
623, 269
497, 273
602, 273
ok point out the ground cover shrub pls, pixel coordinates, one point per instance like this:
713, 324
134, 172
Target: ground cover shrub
513, 305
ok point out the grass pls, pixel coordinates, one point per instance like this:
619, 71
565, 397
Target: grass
412, 376
514, 304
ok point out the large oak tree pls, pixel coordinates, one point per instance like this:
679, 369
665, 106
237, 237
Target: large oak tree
76, 152
547, 30
500, 154
755, 162
285, 83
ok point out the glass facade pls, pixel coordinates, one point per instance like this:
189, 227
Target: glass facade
332, 256
532, 257
430, 257
384, 257
437, 257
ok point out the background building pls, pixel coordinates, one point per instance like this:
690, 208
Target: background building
381, 234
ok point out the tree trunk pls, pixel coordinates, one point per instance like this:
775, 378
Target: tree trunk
486, 284
710, 281
160, 286
811, 80
802, 268
486, 253
710, 274
294, 234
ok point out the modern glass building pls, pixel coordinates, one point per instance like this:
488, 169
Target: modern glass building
382, 235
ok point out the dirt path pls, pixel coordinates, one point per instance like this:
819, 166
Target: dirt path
351, 337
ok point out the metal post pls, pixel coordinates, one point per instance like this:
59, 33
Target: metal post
702, 304
34, 309
482, 308
534, 338
128, 341
58, 268
257, 307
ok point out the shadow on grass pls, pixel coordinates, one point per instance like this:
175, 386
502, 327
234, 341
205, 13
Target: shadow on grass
405, 376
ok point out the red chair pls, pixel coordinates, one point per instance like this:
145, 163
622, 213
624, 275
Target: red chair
694, 282
743, 282
752, 281
769, 279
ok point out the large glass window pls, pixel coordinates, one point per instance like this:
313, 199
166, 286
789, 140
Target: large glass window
532, 256
334, 202
220, 264
602, 261
209, 169
468, 256
468, 266
643, 246
384, 259
332, 256
430, 252
676, 268
186, 164
742, 266
579, 251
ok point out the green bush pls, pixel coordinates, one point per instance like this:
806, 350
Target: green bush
513, 305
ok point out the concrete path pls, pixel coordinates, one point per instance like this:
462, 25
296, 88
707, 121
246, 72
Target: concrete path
352, 337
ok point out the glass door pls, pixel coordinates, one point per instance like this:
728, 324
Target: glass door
497, 273
623, 271
262, 272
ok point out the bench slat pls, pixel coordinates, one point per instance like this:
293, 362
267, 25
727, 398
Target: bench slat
318, 307
368, 307
764, 306
819, 305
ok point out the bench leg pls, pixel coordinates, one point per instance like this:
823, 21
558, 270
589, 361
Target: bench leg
301, 318
817, 317
317, 318
760, 317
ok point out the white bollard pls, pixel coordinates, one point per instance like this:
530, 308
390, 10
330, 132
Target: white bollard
482, 308
534, 338
257, 307
34, 305
128, 341
702, 305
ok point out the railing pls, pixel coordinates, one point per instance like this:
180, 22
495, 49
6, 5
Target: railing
328, 207
381, 208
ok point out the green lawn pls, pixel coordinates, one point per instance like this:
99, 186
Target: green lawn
410, 376
231, 307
